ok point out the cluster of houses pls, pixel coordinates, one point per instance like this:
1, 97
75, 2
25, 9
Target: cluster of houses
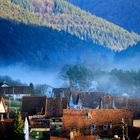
78, 114
14, 92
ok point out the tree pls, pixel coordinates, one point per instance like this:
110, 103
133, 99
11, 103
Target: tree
17, 128
79, 77
32, 87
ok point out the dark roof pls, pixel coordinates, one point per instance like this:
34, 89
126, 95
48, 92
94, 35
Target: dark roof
34, 104
88, 99
49, 107
92, 99
55, 106
58, 92
127, 102
106, 101
16, 90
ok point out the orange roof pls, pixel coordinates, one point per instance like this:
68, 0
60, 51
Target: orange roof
87, 117
57, 138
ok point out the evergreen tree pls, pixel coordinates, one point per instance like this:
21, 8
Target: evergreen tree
17, 128
79, 77
75, 21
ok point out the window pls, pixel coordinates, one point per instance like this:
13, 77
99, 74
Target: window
93, 126
105, 127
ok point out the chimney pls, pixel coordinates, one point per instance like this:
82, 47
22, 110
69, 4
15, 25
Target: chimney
101, 104
113, 104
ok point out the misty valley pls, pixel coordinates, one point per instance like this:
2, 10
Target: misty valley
69, 70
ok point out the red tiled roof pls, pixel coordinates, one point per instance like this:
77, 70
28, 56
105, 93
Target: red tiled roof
75, 138
79, 118
85, 138
57, 138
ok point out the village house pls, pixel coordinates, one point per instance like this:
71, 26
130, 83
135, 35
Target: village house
86, 99
90, 113
91, 100
102, 122
106, 102
38, 123
43, 111
78, 99
3, 108
15, 92
33, 105
128, 102
5, 121
121, 102
86, 113
61, 92
41, 105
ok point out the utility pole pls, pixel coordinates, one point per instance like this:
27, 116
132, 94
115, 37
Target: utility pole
123, 129
8, 107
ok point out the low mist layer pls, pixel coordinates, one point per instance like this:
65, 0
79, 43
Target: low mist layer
116, 82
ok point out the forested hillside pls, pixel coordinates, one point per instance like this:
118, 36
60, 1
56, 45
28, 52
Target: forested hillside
60, 15
124, 13
45, 35
43, 47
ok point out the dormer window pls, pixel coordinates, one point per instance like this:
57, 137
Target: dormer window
105, 127
93, 127
89, 115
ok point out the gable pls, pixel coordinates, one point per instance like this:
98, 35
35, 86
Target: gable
2, 109
33, 104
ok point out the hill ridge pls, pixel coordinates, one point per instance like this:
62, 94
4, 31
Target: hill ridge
124, 13
66, 17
